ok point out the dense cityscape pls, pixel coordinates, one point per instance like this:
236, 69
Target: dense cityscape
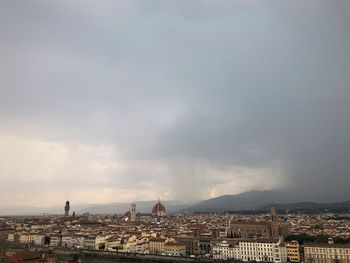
267, 237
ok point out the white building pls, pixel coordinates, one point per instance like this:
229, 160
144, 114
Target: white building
55, 240
113, 244
67, 242
41, 225
142, 247
224, 250
129, 245
39, 239
271, 250
78, 241
90, 242
101, 240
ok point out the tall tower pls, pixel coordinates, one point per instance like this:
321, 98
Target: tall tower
273, 212
133, 212
274, 221
66, 209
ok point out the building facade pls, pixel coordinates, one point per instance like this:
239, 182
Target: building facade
156, 245
250, 229
26, 238
293, 251
327, 253
223, 250
90, 242
262, 250
174, 248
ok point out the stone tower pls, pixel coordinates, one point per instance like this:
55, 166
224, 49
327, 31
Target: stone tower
66, 209
133, 212
274, 221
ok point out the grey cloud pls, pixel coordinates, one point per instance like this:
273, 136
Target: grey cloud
244, 83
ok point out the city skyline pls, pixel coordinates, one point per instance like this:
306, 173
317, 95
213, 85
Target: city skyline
117, 101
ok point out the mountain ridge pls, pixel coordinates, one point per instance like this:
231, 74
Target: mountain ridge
261, 201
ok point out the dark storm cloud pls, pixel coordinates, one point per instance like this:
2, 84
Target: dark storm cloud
229, 83
289, 100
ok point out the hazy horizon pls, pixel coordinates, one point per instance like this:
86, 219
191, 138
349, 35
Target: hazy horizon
189, 202
105, 101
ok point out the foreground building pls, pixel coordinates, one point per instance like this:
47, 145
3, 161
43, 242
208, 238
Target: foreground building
39, 239
293, 251
90, 242
327, 253
224, 250
267, 250
26, 238
197, 243
175, 248
156, 245
160, 245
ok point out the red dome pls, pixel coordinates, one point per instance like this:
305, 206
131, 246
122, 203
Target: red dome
158, 209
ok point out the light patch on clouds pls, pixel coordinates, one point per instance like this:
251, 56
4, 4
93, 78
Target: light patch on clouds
35, 170
41, 173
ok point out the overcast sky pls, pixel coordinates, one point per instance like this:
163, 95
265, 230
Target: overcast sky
105, 101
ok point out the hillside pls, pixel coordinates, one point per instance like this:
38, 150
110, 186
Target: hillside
261, 200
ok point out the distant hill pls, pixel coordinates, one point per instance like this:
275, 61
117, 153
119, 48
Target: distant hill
261, 200
252, 200
310, 207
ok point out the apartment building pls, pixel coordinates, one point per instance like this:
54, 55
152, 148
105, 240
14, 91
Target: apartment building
271, 250
293, 251
90, 242
223, 250
174, 248
142, 247
156, 245
55, 240
327, 253
26, 238
39, 239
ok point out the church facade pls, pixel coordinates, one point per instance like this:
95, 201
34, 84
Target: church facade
249, 229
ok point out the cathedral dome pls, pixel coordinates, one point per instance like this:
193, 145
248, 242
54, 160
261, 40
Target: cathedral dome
158, 209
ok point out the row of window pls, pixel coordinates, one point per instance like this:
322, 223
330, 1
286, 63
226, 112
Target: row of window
333, 256
255, 244
329, 250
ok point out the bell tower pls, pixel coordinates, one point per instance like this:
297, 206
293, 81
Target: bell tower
273, 212
274, 221
133, 212
66, 209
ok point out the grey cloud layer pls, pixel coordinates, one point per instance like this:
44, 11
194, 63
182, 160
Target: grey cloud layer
229, 83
